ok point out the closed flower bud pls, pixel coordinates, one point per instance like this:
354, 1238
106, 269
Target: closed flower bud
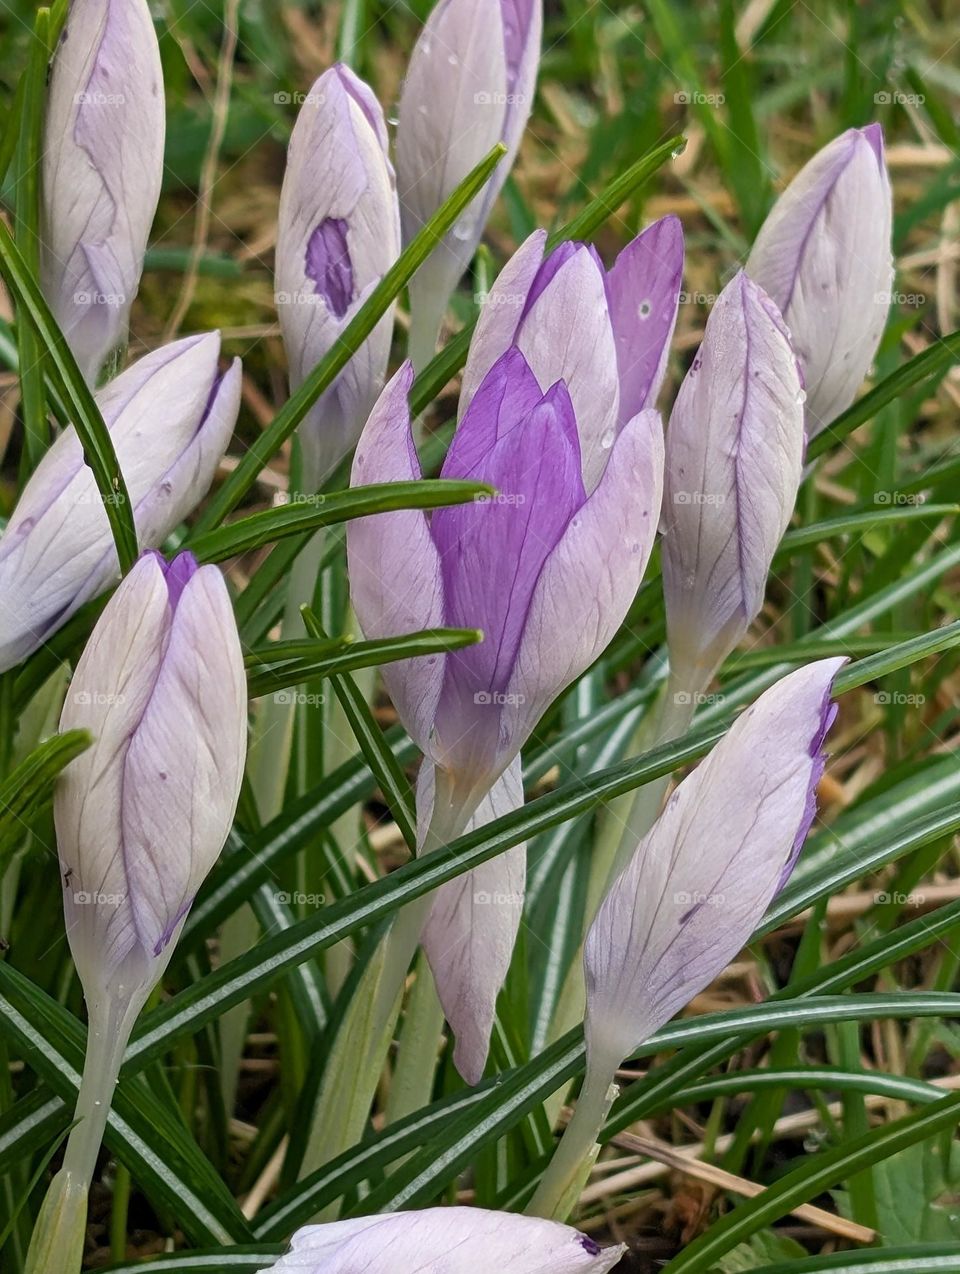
446, 1241
170, 417
338, 234
700, 881
823, 255
733, 464
605, 333
142, 815
102, 168
469, 85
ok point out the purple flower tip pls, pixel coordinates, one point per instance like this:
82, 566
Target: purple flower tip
328, 264
873, 133
552, 266
828, 714
179, 573
589, 1245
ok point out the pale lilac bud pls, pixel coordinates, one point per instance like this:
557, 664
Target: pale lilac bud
824, 257
102, 168
544, 569
606, 334
142, 815
469, 85
170, 417
733, 464
701, 879
448, 1241
338, 234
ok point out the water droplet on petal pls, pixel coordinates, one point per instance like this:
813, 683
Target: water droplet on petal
644, 310
463, 228
608, 439
802, 397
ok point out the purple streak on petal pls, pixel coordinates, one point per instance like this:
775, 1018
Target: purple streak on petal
363, 95
828, 714
179, 574
492, 553
589, 1245
517, 15
171, 928
328, 264
557, 259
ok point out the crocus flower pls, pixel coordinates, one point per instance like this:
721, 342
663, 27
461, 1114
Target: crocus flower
733, 464
141, 817
170, 417
445, 1241
695, 889
606, 334
823, 255
161, 688
102, 167
338, 233
469, 85
547, 572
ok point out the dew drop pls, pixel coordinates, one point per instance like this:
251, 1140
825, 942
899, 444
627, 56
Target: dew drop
644, 310
608, 439
801, 397
463, 229
453, 59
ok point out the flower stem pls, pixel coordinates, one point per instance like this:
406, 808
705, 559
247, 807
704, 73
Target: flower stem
562, 1182
57, 1243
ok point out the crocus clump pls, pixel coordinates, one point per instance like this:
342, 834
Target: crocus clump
338, 234
469, 85
102, 169
170, 416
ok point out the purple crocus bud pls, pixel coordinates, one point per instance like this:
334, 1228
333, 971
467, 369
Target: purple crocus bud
102, 167
142, 815
469, 85
472, 927
170, 417
605, 334
823, 255
733, 463
448, 1241
338, 234
700, 881
544, 569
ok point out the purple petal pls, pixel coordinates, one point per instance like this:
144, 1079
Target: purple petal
644, 291
589, 581
179, 574
734, 454
328, 264
506, 396
394, 569
824, 257
472, 927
